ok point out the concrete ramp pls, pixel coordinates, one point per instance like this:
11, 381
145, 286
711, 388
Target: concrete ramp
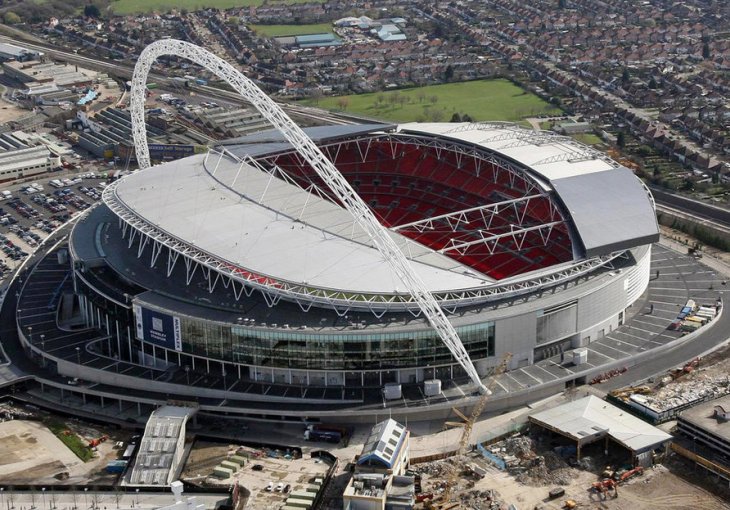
162, 447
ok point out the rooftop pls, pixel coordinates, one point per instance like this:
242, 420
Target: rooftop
383, 445
589, 419
703, 416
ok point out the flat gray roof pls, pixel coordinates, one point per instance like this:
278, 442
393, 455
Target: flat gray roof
610, 210
703, 416
589, 419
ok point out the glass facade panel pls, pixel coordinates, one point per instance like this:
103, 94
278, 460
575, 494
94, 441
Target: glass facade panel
320, 351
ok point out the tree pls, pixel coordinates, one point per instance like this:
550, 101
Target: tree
434, 99
343, 103
653, 83
436, 115
421, 95
91, 11
11, 18
394, 98
621, 139
234, 21
561, 4
315, 95
449, 73
456, 117
625, 76
706, 50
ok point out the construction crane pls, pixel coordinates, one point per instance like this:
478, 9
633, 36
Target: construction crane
467, 426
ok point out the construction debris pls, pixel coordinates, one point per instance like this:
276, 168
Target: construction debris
700, 388
433, 483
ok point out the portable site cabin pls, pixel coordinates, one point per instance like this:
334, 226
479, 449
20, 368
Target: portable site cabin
309, 496
230, 465
222, 472
238, 459
299, 503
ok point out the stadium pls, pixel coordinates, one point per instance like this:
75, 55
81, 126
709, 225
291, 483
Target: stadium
355, 268
239, 263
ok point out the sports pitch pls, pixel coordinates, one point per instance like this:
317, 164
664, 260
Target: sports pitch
497, 99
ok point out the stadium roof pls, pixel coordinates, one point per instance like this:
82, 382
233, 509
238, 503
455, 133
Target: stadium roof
610, 207
274, 229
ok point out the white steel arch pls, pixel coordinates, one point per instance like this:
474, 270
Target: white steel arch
312, 154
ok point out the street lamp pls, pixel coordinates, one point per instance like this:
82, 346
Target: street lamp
137, 497
43, 492
30, 334
43, 341
78, 355
73, 495
86, 490
187, 373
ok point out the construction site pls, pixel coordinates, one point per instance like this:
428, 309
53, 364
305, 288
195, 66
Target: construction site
624, 464
36, 448
268, 476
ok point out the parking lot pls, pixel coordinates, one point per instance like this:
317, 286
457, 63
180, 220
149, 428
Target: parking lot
30, 211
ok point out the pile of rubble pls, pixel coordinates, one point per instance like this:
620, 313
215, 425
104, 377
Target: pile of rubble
521, 460
549, 469
702, 387
434, 478
482, 500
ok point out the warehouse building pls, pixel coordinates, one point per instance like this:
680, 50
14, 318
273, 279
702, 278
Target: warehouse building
590, 419
20, 163
232, 122
33, 72
13, 52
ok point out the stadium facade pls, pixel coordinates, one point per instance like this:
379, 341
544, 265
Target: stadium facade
241, 263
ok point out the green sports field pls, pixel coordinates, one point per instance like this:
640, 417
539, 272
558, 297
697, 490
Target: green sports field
482, 100
284, 30
123, 7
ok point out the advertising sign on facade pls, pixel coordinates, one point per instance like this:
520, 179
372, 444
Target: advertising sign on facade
158, 328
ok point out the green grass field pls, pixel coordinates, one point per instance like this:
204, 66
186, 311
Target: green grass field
284, 30
481, 100
72, 441
588, 138
123, 7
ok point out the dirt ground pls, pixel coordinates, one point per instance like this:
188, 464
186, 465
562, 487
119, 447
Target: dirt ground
30, 453
10, 111
296, 472
674, 484
656, 488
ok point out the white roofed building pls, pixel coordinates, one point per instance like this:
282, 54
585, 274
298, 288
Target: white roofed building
590, 419
379, 478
